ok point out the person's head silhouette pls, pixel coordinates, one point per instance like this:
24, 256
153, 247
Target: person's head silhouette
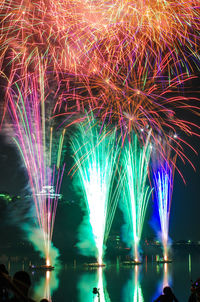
167, 291
3, 269
22, 283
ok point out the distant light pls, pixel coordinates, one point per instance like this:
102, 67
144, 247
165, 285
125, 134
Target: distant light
49, 191
175, 136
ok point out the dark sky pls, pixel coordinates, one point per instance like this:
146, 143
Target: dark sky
12, 174
185, 210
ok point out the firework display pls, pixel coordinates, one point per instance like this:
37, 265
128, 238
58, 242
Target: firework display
75, 35
95, 155
118, 71
139, 100
163, 176
41, 154
136, 191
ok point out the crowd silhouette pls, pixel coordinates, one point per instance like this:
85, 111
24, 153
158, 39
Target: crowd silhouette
15, 289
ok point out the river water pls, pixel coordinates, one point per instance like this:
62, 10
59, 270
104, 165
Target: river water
115, 282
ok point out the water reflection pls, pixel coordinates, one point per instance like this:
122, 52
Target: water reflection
190, 266
132, 291
92, 286
166, 279
47, 285
116, 282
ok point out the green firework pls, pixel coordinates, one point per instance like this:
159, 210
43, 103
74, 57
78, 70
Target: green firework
95, 154
135, 161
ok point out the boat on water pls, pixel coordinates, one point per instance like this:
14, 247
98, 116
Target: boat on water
160, 261
94, 264
42, 267
131, 262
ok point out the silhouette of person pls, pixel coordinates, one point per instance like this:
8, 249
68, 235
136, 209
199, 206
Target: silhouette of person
4, 283
167, 296
195, 291
21, 285
195, 296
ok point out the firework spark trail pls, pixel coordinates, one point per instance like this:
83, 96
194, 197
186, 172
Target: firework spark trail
93, 40
163, 176
31, 30
139, 99
163, 188
135, 161
95, 154
30, 125
79, 35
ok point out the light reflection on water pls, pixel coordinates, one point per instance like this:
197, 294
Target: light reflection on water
132, 291
46, 286
90, 280
166, 280
116, 283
